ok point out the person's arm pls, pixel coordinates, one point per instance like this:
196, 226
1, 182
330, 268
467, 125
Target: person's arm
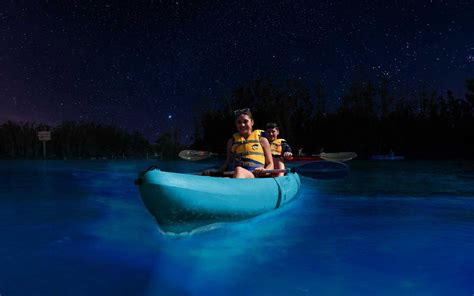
267, 151
285, 146
286, 150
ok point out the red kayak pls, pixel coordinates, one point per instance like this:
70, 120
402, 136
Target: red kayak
304, 158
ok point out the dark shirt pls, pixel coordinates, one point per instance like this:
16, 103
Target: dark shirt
285, 147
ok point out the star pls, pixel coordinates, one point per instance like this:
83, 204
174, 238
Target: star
140, 61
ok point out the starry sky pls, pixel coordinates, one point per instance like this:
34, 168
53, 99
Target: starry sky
152, 66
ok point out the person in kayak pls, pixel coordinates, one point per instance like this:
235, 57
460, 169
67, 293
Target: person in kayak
279, 147
248, 152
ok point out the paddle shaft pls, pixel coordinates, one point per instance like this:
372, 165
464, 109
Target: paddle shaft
230, 173
315, 170
196, 155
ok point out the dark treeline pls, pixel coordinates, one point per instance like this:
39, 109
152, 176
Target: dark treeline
81, 140
370, 119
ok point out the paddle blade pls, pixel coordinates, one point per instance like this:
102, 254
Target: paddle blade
323, 170
194, 155
338, 156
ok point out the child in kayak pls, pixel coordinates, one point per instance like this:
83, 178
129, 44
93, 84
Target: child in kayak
248, 153
279, 147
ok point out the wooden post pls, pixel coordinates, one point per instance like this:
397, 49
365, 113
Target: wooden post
44, 149
44, 136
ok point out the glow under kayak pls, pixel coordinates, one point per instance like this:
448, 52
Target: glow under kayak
182, 202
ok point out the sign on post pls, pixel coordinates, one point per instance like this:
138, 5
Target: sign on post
44, 136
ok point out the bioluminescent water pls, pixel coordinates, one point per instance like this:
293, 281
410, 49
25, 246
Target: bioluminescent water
390, 228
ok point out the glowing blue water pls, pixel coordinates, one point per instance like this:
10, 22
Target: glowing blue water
391, 228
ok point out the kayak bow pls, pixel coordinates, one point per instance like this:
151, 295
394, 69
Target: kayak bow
182, 202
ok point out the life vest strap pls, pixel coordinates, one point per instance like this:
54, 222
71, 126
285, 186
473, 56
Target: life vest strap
248, 162
245, 142
248, 153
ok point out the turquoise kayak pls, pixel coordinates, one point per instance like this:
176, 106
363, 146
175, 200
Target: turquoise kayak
182, 202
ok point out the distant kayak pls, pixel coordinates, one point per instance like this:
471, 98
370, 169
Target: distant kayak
182, 202
387, 157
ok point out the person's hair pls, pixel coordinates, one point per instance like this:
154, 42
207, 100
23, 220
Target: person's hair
271, 125
245, 111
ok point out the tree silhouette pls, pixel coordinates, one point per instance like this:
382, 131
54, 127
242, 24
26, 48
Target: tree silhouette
371, 119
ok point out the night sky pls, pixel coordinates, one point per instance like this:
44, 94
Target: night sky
151, 66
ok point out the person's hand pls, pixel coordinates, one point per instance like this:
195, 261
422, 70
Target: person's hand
258, 171
288, 155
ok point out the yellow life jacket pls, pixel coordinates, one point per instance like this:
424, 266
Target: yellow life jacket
248, 152
276, 147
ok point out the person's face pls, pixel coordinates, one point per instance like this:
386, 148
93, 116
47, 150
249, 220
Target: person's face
244, 124
272, 134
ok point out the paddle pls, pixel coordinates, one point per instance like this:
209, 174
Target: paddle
317, 170
196, 155
338, 156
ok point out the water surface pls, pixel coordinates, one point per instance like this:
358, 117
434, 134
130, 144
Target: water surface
390, 228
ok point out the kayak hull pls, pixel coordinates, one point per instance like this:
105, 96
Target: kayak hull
183, 202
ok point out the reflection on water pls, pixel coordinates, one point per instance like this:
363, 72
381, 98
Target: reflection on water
390, 228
